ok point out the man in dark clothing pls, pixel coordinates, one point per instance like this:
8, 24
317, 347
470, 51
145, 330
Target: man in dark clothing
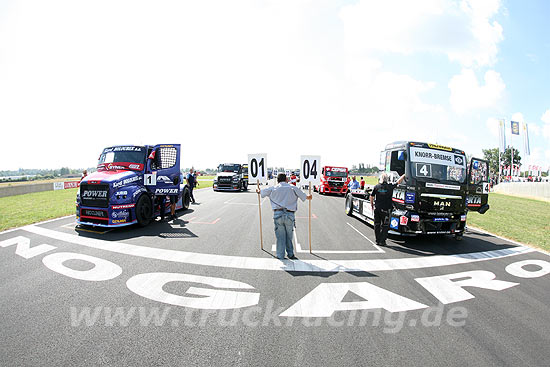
383, 193
191, 182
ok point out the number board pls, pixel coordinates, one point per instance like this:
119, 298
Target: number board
310, 169
423, 170
150, 179
257, 168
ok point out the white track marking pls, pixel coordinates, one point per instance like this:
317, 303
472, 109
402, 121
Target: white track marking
377, 251
35, 224
249, 204
256, 263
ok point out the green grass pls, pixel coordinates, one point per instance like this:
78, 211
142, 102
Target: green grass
520, 219
20, 210
204, 184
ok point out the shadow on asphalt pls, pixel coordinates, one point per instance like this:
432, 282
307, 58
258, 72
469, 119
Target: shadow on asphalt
426, 245
162, 229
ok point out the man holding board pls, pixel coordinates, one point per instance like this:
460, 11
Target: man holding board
309, 174
284, 202
257, 172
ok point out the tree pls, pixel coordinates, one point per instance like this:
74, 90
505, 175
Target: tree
492, 156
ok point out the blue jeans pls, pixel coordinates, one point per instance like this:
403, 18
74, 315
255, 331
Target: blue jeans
284, 229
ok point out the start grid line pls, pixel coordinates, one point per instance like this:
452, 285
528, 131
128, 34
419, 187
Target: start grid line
378, 249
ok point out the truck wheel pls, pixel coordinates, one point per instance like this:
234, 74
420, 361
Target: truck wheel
245, 186
185, 200
144, 210
349, 205
458, 237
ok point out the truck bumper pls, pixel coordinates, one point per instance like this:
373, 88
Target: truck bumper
332, 190
111, 217
410, 224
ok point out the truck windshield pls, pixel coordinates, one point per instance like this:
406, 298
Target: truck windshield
437, 165
229, 168
336, 174
124, 157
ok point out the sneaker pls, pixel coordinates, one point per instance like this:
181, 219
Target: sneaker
293, 257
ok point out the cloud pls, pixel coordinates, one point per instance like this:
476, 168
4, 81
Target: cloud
518, 117
226, 78
546, 128
463, 31
467, 94
492, 125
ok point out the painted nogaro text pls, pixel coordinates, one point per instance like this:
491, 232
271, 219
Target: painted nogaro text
221, 294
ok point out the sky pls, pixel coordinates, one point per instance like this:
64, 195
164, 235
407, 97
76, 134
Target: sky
227, 78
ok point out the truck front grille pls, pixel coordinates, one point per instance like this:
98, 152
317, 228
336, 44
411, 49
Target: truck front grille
94, 195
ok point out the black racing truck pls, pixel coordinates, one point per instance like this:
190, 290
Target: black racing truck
130, 186
231, 177
439, 190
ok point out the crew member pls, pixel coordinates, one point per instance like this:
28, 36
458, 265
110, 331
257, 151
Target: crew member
362, 184
84, 174
293, 179
284, 202
353, 184
191, 182
383, 193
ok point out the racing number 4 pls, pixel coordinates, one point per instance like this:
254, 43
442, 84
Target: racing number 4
310, 169
424, 170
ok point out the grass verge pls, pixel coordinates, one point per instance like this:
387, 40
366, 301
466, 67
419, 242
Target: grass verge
520, 219
20, 210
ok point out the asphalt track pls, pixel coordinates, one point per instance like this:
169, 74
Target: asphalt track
221, 300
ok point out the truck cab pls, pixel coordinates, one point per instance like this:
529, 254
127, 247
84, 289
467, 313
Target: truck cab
131, 186
334, 180
438, 191
231, 177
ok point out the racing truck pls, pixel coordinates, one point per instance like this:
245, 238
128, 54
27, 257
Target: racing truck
131, 186
439, 190
333, 180
231, 177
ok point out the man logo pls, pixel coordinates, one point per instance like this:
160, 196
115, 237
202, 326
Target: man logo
459, 160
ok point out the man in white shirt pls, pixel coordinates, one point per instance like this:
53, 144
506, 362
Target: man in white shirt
284, 202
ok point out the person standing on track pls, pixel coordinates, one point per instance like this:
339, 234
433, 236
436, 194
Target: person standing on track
191, 182
383, 193
354, 184
284, 202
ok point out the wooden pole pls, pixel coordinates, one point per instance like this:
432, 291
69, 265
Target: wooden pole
260, 210
309, 218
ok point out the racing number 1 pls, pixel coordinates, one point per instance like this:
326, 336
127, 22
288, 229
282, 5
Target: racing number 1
150, 179
257, 168
254, 165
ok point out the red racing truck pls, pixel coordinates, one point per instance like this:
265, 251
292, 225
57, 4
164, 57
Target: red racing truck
333, 180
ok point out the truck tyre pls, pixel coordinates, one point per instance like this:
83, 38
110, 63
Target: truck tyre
186, 199
458, 237
349, 205
245, 186
144, 210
